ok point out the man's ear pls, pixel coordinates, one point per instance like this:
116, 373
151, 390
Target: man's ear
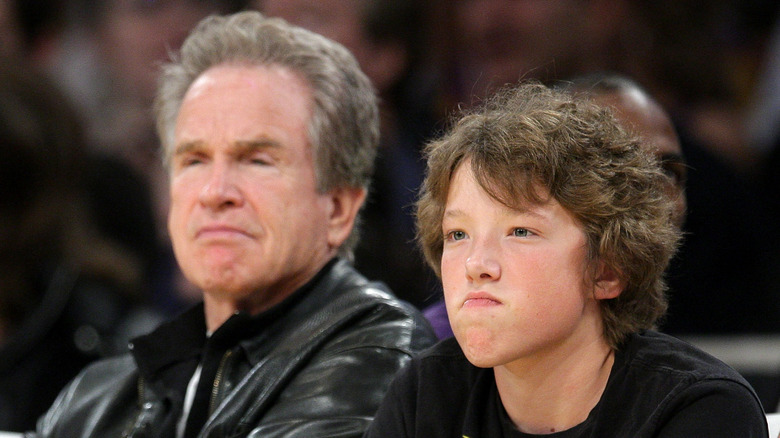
345, 204
608, 283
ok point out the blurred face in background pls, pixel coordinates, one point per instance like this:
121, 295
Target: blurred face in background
10, 41
501, 40
343, 21
136, 35
650, 122
339, 20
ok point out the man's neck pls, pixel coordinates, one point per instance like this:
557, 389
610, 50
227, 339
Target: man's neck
219, 307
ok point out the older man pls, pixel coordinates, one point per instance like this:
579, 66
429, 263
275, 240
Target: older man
269, 132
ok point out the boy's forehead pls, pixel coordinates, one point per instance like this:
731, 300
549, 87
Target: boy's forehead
516, 195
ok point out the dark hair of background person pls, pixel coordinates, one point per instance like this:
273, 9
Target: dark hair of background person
38, 20
393, 257
388, 38
719, 283
93, 10
66, 290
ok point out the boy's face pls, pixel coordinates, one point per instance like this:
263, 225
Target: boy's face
515, 280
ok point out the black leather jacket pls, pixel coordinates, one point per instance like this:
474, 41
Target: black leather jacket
319, 369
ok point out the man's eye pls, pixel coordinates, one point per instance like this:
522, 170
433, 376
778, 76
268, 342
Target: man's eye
520, 232
261, 159
190, 161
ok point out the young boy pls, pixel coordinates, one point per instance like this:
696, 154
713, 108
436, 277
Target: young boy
551, 229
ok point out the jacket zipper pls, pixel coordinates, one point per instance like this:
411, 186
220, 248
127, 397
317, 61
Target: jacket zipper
132, 427
218, 380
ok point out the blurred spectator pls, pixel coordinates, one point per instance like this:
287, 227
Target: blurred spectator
386, 37
695, 58
763, 122
108, 65
118, 195
10, 37
68, 294
638, 112
31, 28
128, 39
718, 282
492, 43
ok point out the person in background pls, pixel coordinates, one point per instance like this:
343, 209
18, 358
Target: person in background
69, 294
117, 197
551, 227
105, 55
717, 284
642, 115
387, 38
269, 133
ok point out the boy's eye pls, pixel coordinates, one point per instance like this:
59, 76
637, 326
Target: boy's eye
456, 235
520, 232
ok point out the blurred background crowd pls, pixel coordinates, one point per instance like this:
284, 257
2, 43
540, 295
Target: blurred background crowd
85, 261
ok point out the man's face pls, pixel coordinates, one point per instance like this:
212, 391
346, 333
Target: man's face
247, 223
514, 280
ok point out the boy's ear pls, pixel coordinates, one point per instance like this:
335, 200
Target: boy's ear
608, 283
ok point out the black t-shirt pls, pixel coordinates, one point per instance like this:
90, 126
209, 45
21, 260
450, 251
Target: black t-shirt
658, 387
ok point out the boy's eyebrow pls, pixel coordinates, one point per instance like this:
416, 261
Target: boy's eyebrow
452, 213
455, 213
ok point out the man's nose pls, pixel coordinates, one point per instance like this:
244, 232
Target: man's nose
220, 189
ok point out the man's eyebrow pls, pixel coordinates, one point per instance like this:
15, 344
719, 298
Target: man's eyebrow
262, 143
189, 146
244, 145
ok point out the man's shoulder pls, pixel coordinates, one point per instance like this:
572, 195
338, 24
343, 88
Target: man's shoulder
345, 291
97, 387
345, 310
376, 317
104, 375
